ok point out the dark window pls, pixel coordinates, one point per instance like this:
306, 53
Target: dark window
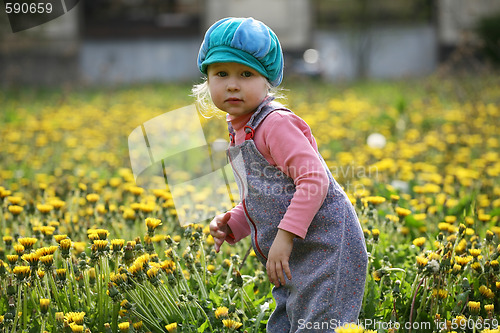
141, 18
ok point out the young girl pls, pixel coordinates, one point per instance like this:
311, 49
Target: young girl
303, 227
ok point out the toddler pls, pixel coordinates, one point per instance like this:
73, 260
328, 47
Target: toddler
302, 225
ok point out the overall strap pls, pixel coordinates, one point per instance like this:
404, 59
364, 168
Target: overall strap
264, 109
231, 133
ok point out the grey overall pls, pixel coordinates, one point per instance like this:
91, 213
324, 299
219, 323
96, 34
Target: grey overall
328, 267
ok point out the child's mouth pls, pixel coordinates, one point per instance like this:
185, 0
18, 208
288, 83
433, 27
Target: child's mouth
233, 100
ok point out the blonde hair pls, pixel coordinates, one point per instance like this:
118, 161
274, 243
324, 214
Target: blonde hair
203, 101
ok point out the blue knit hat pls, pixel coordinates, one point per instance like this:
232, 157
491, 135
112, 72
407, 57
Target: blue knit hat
245, 41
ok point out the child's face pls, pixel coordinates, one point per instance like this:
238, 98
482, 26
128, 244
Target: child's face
235, 88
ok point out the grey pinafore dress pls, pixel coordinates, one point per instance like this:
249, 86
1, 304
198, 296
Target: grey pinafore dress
328, 267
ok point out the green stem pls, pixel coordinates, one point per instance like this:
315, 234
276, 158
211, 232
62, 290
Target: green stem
70, 275
100, 296
205, 315
151, 323
18, 306
169, 299
153, 302
114, 319
55, 292
2, 220
201, 284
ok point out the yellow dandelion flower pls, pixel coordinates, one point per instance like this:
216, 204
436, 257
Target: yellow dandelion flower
31, 258
456, 268
102, 233
28, 242
75, 317
76, 328
422, 261
44, 208
57, 203
117, 244
394, 198
440, 293
484, 217
477, 267
129, 214
152, 272
171, 328
15, 209
99, 245
474, 307
124, 327
486, 292
402, 212
14, 200
19, 249
21, 272
475, 252
136, 190
378, 274
469, 220
221, 311
59, 316
7, 240
462, 261
92, 197
44, 305
12, 258
230, 323
65, 244
443, 226
374, 200
434, 256
450, 219
59, 238
419, 242
489, 308
152, 223
47, 260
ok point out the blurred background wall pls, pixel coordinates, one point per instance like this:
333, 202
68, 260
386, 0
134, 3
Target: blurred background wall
128, 41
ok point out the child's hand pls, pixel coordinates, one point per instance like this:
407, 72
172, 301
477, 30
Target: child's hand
277, 261
219, 229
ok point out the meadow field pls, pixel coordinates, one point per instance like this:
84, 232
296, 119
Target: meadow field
84, 249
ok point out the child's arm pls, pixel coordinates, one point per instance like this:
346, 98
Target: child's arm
287, 142
278, 257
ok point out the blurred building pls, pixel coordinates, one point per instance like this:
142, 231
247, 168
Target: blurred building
127, 41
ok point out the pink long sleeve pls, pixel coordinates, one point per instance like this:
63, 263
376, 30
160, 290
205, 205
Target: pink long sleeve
286, 142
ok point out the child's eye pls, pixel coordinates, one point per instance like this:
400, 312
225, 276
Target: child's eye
246, 74
221, 74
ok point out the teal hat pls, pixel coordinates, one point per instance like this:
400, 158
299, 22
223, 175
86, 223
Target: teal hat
245, 41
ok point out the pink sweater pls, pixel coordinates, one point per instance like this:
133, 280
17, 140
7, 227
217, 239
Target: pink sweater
286, 141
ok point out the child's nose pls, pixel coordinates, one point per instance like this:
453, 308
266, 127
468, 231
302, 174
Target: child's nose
232, 85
